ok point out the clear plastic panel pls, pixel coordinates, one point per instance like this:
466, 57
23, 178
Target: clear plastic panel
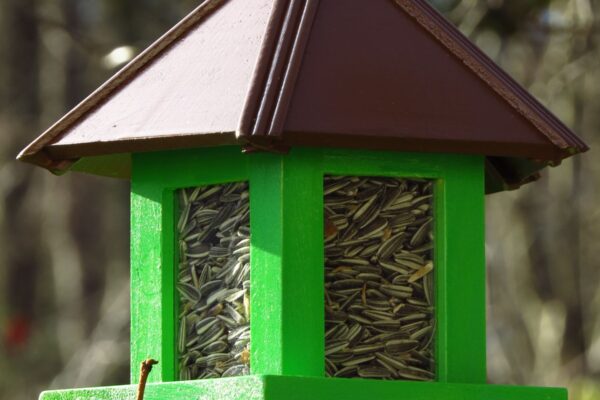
213, 281
379, 308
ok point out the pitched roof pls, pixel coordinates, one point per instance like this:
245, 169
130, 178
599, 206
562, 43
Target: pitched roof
270, 74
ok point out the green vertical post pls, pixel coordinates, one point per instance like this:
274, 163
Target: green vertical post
461, 280
303, 258
266, 272
287, 265
151, 282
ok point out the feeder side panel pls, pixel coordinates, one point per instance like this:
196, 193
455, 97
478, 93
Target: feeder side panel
459, 254
155, 177
379, 272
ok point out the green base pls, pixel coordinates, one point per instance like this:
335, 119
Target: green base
256, 387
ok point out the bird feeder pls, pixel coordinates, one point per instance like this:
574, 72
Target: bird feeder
307, 199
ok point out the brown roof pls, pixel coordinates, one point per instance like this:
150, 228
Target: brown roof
271, 74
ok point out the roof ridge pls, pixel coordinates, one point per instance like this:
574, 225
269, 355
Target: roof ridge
277, 68
490, 73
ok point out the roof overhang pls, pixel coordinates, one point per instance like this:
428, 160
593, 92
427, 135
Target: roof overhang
269, 75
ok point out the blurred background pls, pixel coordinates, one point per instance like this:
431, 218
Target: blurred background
64, 247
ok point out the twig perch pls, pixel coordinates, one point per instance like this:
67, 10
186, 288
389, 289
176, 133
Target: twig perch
145, 369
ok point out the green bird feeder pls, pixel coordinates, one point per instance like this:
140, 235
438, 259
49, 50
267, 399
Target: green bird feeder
307, 200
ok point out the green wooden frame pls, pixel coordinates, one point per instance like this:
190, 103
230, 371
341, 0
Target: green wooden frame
286, 216
301, 388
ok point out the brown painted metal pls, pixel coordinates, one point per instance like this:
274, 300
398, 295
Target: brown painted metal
269, 74
387, 83
269, 99
174, 88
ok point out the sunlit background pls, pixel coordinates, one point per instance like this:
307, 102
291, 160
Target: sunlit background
64, 274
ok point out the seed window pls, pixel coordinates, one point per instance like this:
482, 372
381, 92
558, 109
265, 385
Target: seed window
213, 282
379, 308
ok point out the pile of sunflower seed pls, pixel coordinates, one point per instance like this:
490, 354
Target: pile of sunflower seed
214, 281
379, 320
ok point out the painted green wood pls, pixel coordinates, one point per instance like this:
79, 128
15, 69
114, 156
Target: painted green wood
303, 258
239, 388
112, 165
168, 300
172, 170
286, 216
461, 283
266, 272
459, 248
299, 388
147, 275
155, 177
302, 388
287, 272
393, 164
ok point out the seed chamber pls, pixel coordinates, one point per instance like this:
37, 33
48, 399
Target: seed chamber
213, 281
379, 308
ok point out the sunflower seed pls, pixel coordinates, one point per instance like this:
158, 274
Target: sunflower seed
216, 347
346, 372
374, 372
421, 332
189, 292
389, 246
205, 324
236, 370
400, 346
358, 360
336, 347
366, 349
421, 272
